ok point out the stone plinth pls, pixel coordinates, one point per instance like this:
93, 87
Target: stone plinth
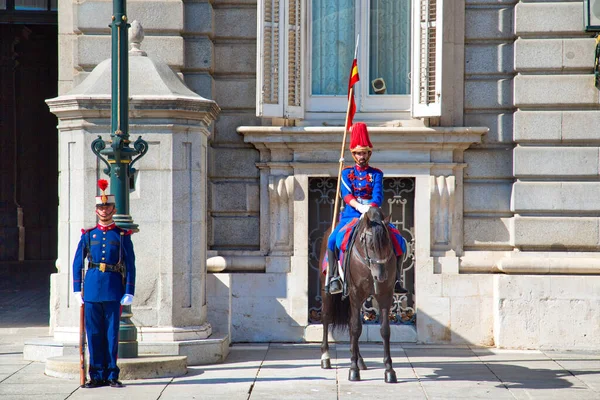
143, 367
167, 200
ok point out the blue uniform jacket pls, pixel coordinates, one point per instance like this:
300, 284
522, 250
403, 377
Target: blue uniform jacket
365, 185
104, 244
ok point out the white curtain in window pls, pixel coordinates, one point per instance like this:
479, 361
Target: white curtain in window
389, 44
333, 42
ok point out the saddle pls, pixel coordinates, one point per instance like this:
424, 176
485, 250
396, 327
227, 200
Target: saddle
345, 261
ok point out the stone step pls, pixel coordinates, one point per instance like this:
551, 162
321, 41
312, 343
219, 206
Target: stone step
142, 367
211, 350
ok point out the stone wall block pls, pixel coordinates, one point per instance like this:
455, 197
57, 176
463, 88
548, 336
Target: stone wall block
489, 23
581, 126
575, 287
199, 54
488, 94
556, 161
235, 232
155, 16
553, 54
500, 125
234, 163
488, 163
488, 58
556, 196
235, 58
560, 231
487, 232
466, 320
487, 197
228, 196
199, 18
237, 23
554, 90
577, 53
549, 17
226, 125
537, 126
235, 93
536, 54
581, 331
201, 83
91, 50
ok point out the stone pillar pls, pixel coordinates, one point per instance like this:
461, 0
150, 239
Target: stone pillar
168, 200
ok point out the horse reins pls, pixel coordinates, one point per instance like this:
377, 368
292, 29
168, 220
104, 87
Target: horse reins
367, 259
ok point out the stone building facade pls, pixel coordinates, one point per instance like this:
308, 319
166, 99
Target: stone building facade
506, 221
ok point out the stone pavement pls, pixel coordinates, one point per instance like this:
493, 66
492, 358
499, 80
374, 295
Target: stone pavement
292, 371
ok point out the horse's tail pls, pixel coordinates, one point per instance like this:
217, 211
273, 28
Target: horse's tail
339, 312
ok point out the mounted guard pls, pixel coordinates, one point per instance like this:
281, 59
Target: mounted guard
361, 189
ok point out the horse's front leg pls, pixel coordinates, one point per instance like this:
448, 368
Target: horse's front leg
325, 357
390, 374
355, 331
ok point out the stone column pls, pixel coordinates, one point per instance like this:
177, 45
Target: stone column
168, 201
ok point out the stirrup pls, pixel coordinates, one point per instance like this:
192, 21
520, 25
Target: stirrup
399, 289
335, 286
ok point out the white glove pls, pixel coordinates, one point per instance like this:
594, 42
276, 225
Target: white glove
363, 208
79, 298
127, 300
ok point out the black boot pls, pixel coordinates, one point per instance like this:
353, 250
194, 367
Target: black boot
335, 284
398, 288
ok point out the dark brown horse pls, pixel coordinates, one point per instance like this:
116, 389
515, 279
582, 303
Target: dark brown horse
371, 271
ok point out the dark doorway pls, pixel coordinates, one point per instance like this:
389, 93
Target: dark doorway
28, 151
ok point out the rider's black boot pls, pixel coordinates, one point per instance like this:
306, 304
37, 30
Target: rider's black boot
398, 288
335, 283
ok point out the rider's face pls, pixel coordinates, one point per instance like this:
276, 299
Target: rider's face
361, 157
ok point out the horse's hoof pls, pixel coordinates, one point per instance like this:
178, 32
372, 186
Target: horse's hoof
326, 364
390, 376
361, 364
354, 375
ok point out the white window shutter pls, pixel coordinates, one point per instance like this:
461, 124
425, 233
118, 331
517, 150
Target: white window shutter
294, 58
270, 61
427, 58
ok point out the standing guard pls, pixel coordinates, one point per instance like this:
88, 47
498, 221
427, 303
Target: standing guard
362, 187
109, 283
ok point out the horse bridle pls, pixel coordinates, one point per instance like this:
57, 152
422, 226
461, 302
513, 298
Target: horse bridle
367, 259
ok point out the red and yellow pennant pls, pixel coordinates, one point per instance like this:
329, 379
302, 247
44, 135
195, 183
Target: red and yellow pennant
352, 105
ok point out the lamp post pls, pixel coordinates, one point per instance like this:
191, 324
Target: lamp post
119, 156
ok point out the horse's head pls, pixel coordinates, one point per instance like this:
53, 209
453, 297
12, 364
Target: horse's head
376, 243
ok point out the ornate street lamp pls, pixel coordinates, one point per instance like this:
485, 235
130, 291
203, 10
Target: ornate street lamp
119, 156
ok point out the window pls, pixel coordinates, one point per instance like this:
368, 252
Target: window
306, 47
383, 33
28, 11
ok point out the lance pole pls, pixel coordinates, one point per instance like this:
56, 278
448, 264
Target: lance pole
336, 206
336, 203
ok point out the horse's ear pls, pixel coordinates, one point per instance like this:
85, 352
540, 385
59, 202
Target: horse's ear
387, 219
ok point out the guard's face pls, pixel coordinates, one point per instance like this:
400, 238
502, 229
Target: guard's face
361, 157
105, 213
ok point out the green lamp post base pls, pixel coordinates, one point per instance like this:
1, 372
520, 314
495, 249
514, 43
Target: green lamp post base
128, 346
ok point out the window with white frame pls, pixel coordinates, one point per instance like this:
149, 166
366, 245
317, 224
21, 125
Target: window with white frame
306, 48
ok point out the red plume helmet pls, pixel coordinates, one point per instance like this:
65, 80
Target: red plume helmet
360, 138
102, 184
104, 199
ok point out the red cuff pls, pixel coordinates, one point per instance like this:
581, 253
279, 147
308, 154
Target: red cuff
348, 198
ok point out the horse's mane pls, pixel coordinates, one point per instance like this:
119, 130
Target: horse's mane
376, 222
